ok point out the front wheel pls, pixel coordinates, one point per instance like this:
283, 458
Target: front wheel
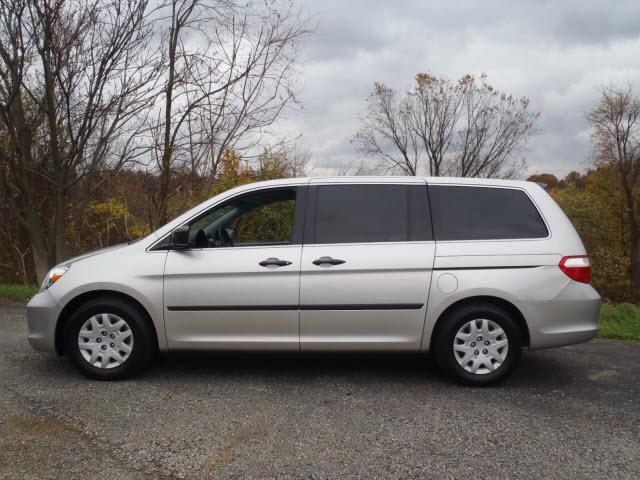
478, 344
108, 339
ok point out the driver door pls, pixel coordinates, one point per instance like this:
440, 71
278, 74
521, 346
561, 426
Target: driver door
237, 287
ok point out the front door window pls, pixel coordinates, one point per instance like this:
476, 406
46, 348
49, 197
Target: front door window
264, 218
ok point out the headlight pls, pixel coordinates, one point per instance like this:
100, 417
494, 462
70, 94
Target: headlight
54, 275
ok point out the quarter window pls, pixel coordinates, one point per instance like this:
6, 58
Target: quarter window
484, 213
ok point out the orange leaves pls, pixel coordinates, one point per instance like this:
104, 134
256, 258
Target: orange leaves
595, 205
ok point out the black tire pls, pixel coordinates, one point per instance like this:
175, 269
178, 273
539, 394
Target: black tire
144, 344
443, 343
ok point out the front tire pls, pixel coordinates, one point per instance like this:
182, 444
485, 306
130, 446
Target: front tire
108, 339
478, 344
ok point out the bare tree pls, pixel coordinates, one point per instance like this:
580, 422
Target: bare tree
437, 127
616, 142
228, 72
74, 82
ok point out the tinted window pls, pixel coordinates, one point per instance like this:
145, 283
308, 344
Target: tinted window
371, 213
481, 213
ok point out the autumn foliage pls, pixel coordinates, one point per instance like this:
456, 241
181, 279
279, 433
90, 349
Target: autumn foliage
120, 210
593, 204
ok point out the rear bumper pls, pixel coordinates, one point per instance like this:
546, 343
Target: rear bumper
572, 317
42, 315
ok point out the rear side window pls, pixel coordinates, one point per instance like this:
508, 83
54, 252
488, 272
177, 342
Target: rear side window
371, 213
483, 213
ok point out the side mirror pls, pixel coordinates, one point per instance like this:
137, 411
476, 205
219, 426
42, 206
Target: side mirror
180, 238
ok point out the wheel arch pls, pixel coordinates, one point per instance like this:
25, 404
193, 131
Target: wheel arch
77, 301
500, 302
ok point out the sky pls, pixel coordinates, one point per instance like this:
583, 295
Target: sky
556, 53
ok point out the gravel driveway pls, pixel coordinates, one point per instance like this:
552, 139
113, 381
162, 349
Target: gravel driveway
570, 412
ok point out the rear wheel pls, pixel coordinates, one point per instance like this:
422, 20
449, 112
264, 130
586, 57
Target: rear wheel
109, 338
478, 344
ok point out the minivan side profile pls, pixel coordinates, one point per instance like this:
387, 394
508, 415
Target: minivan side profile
470, 270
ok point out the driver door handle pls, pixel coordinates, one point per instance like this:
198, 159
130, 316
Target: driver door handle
272, 261
328, 261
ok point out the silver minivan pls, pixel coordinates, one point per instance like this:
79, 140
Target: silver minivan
471, 270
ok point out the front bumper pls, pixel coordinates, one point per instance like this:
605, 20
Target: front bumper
572, 317
42, 315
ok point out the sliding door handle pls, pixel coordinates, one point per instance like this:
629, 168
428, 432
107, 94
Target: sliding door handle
275, 262
328, 261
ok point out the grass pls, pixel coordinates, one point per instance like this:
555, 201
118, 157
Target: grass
17, 292
620, 321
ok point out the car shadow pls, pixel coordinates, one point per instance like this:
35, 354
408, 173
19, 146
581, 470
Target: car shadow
295, 364
536, 368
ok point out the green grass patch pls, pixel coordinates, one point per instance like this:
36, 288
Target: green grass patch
17, 292
620, 321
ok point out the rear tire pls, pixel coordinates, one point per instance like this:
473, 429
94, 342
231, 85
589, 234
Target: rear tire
478, 344
109, 338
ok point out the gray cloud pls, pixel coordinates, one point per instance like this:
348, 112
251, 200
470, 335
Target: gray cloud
555, 53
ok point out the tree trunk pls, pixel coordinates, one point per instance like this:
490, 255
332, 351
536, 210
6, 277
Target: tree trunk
23, 266
634, 238
165, 184
59, 227
634, 257
40, 255
165, 167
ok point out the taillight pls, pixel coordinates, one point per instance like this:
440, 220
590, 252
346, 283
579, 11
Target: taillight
577, 268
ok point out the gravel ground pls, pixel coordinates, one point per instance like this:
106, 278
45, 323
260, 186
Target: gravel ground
572, 412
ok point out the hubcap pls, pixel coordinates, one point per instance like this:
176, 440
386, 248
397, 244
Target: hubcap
495, 346
108, 354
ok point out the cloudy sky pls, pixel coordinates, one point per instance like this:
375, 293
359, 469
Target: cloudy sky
555, 52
